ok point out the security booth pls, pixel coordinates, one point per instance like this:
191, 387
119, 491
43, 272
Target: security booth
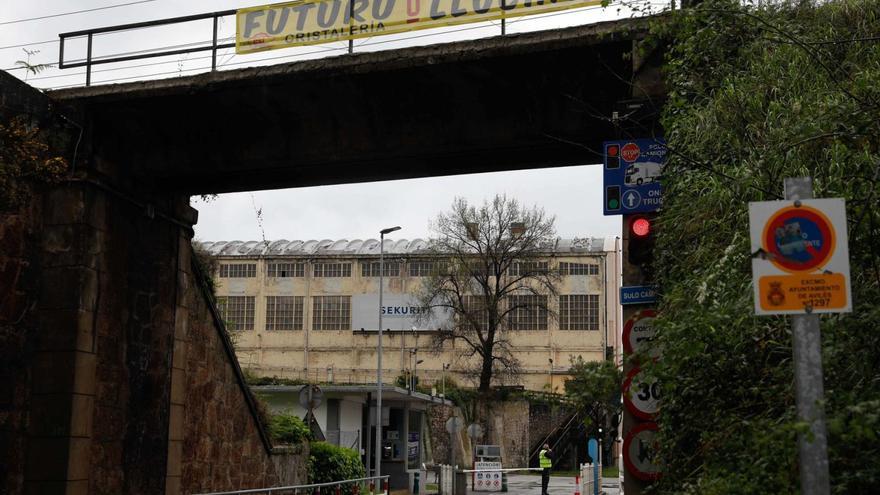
347, 417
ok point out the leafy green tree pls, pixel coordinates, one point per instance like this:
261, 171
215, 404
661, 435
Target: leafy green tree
757, 95
595, 390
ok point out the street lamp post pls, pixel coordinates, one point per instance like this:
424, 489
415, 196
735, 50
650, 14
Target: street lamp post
379, 353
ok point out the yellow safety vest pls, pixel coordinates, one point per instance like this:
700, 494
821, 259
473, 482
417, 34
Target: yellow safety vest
544, 461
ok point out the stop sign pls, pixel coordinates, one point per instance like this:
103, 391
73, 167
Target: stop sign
630, 152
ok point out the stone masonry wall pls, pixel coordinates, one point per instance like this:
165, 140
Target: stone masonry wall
221, 443
18, 335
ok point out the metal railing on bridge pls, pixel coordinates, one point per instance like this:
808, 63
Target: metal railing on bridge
363, 486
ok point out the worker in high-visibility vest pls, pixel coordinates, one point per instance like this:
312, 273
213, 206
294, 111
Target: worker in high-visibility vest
545, 461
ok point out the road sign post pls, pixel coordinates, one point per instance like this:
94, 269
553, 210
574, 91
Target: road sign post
800, 267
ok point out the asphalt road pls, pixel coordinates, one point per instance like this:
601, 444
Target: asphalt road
519, 484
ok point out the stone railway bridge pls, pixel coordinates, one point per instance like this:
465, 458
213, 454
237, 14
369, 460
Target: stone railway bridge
114, 375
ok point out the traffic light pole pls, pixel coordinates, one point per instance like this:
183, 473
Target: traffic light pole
631, 275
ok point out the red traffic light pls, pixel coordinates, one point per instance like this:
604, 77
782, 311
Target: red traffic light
640, 227
612, 150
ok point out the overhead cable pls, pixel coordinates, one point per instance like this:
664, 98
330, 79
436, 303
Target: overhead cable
75, 12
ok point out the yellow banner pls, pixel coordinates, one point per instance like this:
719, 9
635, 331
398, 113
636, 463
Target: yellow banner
309, 22
795, 292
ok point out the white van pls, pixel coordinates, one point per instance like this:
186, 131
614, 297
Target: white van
642, 173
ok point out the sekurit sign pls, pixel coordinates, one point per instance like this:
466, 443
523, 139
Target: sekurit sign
309, 22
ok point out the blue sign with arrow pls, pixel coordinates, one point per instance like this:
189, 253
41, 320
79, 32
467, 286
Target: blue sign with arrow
632, 172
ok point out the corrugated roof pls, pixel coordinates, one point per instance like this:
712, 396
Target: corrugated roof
368, 247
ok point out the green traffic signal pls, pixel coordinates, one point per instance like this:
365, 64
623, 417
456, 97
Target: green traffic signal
613, 204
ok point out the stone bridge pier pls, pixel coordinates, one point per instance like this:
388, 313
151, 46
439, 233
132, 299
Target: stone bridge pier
115, 376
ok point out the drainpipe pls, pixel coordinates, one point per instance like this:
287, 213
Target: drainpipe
307, 312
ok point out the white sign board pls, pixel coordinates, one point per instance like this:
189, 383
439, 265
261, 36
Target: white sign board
641, 395
638, 333
486, 479
638, 452
400, 312
800, 256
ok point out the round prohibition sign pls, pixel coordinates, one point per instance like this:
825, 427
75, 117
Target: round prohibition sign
638, 332
638, 449
643, 401
799, 239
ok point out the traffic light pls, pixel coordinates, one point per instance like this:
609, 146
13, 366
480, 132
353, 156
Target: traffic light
612, 198
640, 250
612, 156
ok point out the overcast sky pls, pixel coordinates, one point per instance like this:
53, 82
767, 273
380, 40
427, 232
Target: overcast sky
572, 194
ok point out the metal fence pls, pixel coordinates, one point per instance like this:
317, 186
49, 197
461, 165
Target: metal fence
590, 479
359, 485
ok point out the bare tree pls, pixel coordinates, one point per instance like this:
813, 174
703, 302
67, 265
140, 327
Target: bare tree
491, 277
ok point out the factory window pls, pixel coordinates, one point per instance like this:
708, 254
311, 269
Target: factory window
237, 312
284, 312
520, 268
332, 270
371, 269
423, 268
331, 312
579, 312
238, 270
527, 312
285, 270
578, 268
475, 311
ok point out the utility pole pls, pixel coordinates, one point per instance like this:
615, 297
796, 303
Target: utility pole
808, 380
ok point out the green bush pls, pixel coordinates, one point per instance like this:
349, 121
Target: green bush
289, 429
328, 462
756, 95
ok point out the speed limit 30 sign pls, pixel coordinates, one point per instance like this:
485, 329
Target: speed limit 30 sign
641, 395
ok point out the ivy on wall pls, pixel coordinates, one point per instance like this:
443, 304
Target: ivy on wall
25, 159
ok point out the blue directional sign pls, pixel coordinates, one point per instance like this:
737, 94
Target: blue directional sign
638, 294
632, 172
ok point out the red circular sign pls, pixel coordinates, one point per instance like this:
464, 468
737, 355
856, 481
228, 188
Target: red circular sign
799, 239
630, 152
638, 449
629, 345
647, 397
